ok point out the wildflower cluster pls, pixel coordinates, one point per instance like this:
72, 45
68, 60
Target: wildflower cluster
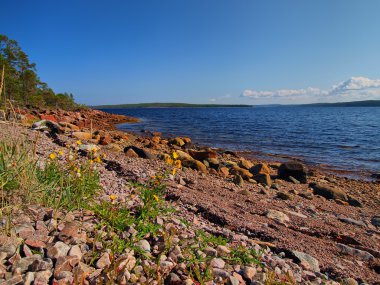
173, 160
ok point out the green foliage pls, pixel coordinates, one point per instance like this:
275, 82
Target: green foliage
24, 178
23, 85
68, 188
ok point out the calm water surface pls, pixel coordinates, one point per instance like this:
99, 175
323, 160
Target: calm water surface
346, 138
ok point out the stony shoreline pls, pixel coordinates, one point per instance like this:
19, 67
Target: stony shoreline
310, 228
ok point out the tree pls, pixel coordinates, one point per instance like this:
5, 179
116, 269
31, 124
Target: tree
22, 81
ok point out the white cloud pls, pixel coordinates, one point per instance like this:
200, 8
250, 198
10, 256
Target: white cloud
355, 83
353, 88
213, 100
282, 93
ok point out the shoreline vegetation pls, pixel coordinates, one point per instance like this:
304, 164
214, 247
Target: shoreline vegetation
85, 203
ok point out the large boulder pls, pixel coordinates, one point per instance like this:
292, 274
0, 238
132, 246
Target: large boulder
329, 192
183, 155
242, 172
261, 168
243, 163
203, 155
69, 126
263, 178
82, 135
195, 164
142, 153
294, 169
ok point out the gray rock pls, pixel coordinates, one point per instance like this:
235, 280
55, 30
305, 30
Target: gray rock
233, 281
328, 192
41, 265
29, 278
220, 273
42, 277
292, 179
57, 250
8, 249
249, 272
144, 245
311, 261
76, 251
352, 222
15, 280
25, 262
103, 261
217, 263
375, 221
361, 254
277, 216
293, 169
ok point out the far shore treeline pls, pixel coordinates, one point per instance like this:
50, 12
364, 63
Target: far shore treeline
21, 85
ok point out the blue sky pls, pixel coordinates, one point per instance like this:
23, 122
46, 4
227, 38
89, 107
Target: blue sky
202, 51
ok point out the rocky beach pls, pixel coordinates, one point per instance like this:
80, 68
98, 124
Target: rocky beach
167, 211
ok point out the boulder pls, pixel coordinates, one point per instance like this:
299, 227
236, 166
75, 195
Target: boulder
261, 168
294, 169
82, 135
277, 216
131, 153
143, 153
203, 155
307, 261
328, 192
243, 163
224, 171
263, 178
69, 126
105, 139
48, 118
195, 164
183, 155
177, 142
242, 172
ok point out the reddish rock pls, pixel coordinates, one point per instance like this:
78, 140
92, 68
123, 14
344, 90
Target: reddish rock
105, 140
65, 263
48, 118
203, 155
35, 243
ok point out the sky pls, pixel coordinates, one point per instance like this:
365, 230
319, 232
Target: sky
201, 51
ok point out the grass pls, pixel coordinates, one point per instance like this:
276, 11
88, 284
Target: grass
24, 178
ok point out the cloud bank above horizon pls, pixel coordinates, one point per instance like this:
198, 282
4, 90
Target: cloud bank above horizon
354, 88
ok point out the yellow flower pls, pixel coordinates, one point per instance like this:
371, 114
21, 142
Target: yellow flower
174, 171
60, 152
155, 198
79, 142
169, 160
175, 155
113, 197
97, 159
178, 163
52, 156
104, 155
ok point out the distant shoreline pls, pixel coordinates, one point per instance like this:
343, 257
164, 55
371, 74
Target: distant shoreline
366, 103
169, 105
